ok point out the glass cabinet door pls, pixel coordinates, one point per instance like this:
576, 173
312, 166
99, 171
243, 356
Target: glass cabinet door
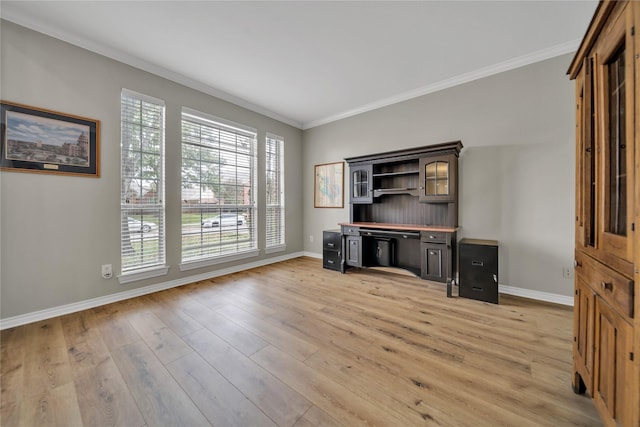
437, 179
615, 144
361, 184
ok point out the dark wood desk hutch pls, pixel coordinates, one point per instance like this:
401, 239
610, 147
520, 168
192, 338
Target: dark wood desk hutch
404, 211
606, 349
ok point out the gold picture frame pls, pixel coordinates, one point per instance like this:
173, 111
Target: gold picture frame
44, 141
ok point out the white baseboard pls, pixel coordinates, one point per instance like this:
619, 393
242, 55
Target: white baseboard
312, 254
510, 290
48, 313
537, 295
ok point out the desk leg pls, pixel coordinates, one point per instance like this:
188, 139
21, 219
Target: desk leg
343, 266
449, 286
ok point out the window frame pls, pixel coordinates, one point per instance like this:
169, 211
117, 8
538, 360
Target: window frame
154, 203
207, 253
279, 244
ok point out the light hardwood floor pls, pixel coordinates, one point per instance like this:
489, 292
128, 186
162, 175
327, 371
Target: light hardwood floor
292, 344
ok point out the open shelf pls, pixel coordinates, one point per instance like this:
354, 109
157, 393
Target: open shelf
411, 172
387, 191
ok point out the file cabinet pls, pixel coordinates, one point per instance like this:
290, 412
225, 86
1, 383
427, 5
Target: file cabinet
478, 266
331, 249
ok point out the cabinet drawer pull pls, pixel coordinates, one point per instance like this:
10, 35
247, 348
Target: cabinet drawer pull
433, 253
477, 263
577, 263
331, 244
330, 261
607, 286
431, 236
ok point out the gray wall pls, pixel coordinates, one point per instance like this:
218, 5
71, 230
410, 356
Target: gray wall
56, 231
516, 170
516, 167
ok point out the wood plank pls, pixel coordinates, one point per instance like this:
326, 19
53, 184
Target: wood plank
105, 399
217, 398
160, 399
323, 392
316, 417
46, 365
55, 407
114, 327
294, 346
167, 309
11, 375
240, 338
277, 400
166, 345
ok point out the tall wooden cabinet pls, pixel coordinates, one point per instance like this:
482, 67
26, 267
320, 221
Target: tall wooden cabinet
606, 351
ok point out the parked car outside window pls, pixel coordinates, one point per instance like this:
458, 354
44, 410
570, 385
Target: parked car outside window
136, 226
224, 220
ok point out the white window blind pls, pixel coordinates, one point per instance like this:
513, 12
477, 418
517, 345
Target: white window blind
274, 156
142, 182
219, 168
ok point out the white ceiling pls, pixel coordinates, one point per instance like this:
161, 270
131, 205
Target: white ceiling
312, 62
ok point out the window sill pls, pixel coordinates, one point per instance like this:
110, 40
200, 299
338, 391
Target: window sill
143, 274
274, 249
191, 265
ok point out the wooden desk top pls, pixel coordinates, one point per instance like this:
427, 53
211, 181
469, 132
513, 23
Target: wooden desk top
404, 227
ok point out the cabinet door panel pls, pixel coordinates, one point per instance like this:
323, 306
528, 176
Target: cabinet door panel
434, 262
437, 178
354, 251
615, 81
613, 366
361, 184
583, 333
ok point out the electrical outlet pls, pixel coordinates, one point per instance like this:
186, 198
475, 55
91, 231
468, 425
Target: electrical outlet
107, 272
567, 272
311, 238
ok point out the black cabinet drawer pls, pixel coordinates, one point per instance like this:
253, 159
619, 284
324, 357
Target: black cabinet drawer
433, 236
350, 230
331, 240
478, 266
331, 259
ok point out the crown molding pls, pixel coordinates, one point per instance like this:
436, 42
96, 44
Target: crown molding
100, 49
37, 25
511, 64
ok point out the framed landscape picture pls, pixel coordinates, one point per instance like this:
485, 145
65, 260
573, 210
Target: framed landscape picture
44, 141
328, 184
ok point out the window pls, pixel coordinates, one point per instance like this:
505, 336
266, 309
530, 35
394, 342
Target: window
218, 189
275, 193
142, 205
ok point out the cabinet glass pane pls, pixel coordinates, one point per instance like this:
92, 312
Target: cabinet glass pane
617, 189
437, 179
442, 170
431, 188
590, 158
360, 183
443, 188
430, 170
